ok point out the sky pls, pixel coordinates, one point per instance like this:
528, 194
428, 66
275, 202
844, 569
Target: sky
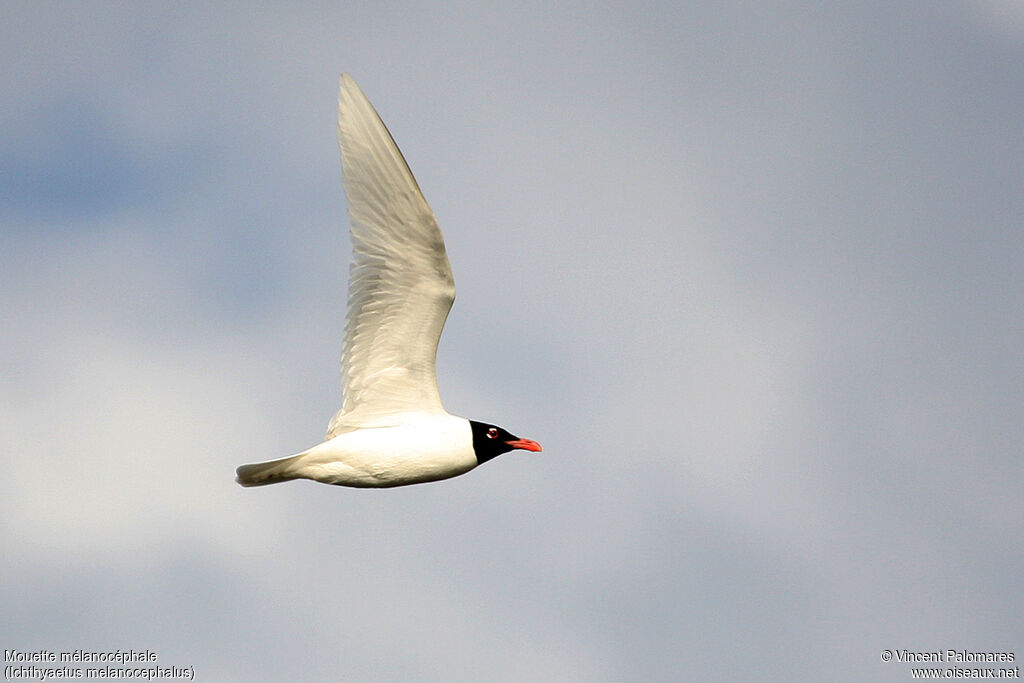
752, 273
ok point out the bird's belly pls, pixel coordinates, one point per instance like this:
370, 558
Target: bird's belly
391, 456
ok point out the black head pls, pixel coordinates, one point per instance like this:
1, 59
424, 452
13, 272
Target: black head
490, 441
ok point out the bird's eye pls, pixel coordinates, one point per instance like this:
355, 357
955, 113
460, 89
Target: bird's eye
492, 433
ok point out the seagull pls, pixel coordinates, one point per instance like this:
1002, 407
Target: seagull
392, 429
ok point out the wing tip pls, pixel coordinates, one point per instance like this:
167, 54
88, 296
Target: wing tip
347, 86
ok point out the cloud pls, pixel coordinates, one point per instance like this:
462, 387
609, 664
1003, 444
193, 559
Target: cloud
751, 278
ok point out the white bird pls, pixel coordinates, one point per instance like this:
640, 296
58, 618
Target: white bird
392, 429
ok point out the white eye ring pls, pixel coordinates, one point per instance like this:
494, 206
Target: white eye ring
492, 433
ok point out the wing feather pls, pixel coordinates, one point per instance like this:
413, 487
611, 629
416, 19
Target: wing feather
400, 282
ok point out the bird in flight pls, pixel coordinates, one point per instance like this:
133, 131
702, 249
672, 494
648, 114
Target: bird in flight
392, 429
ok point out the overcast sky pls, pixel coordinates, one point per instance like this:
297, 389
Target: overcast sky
752, 273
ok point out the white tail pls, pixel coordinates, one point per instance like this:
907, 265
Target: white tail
270, 472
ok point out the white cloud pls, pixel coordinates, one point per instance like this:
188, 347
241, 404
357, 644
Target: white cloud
750, 279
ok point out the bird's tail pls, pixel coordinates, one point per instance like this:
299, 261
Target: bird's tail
270, 472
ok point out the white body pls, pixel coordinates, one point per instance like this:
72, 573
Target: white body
425, 448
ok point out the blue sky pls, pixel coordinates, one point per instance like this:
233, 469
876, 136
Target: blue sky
750, 272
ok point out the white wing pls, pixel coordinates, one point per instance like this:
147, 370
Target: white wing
400, 285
